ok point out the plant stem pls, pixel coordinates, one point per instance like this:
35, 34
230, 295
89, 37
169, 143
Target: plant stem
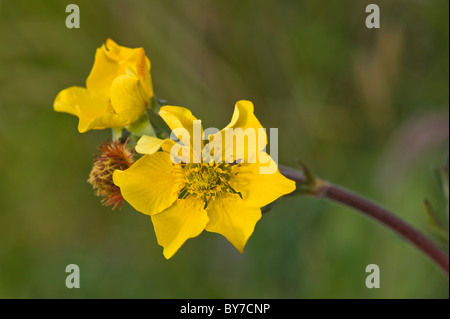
345, 197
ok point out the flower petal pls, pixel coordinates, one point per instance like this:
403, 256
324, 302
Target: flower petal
259, 190
249, 136
93, 112
128, 97
232, 218
143, 73
112, 60
150, 145
152, 184
106, 120
178, 117
185, 219
67, 99
119, 53
244, 116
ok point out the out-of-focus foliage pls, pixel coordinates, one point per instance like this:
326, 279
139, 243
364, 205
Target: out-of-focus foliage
367, 109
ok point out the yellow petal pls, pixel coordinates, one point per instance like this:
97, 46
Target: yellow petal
185, 219
119, 53
112, 60
134, 59
244, 116
259, 190
107, 120
103, 73
152, 184
67, 99
93, 112
143, 73
250, 137
232, 218
128, 98
150, 145
178, 117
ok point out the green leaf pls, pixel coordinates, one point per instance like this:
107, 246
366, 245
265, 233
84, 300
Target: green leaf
311, 182
141, 127
434, 224
155, 104
162, 130
443, 174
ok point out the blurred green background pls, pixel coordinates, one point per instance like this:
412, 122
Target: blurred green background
366, 109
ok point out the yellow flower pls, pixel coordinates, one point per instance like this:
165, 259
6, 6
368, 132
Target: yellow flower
117, 92
183, 199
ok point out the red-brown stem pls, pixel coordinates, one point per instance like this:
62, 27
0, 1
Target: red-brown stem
345, 197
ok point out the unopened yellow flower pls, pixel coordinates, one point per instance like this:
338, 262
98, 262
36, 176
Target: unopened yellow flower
183, 199
117, 92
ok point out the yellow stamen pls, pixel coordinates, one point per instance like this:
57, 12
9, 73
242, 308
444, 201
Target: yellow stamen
206, 181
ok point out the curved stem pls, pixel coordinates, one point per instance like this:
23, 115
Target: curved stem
340, 195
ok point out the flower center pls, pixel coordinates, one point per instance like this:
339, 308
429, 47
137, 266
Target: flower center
206, 181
